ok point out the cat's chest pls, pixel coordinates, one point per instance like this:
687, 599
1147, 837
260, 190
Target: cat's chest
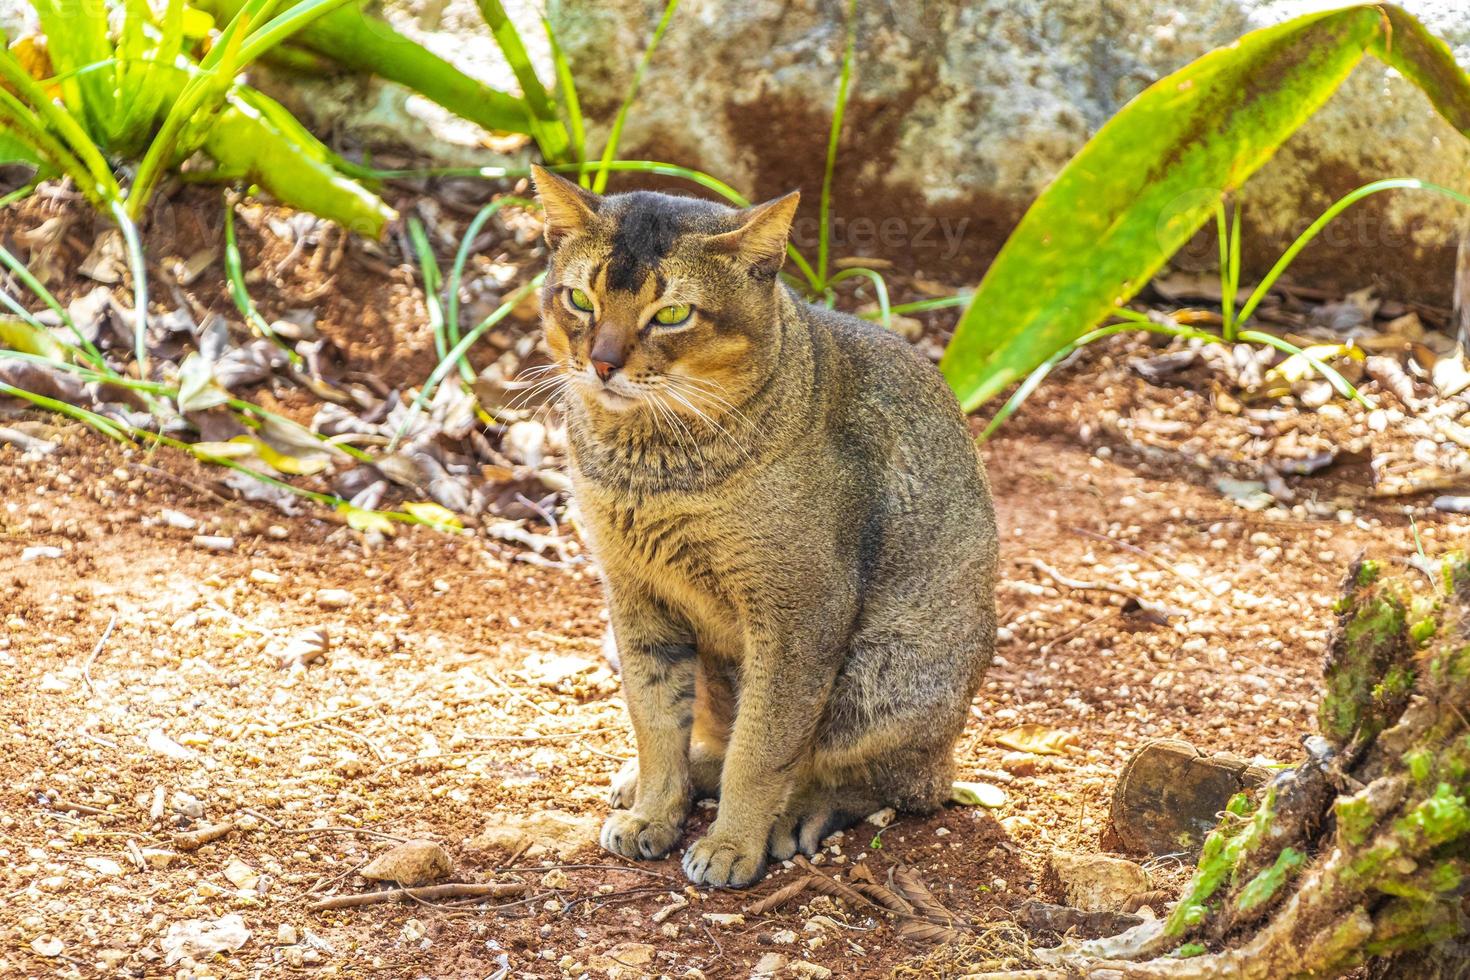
687, 556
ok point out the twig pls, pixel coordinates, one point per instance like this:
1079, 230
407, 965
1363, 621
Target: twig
498, 889
361, 831
1167, 566
1147, 605
97, 650
192, 839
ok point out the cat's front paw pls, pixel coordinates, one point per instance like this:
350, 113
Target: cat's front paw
722, 861
624, 790
638, 838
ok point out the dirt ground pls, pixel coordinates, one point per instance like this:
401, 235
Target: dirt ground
451, 688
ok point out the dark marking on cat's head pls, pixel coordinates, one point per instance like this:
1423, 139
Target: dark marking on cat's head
617, 261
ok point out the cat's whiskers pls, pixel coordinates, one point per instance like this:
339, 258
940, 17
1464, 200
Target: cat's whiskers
692, 385
674, 391
557, 385
692, 449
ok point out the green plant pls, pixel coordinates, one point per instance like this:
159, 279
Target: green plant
1153, 175
1230, 318
154, 91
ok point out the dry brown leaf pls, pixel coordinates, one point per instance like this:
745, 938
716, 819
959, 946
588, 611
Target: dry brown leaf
1036, 738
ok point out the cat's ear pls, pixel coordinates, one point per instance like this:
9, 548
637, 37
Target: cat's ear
569, 209
761, 239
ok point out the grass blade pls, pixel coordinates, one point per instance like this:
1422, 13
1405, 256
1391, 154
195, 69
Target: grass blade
566, 87
839, 108
615, 135
456, 273
885, 312
549, 131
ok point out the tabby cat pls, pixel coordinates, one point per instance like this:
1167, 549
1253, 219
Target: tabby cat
794, 526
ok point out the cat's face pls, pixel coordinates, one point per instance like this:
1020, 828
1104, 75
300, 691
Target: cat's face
659, 303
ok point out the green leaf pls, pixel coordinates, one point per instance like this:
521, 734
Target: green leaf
1154, 173
547, 127
245, 141
365, 520
365, 43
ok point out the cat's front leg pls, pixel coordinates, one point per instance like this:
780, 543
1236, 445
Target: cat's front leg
658, 664
785, 681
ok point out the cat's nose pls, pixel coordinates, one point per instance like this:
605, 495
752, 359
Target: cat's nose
604, 369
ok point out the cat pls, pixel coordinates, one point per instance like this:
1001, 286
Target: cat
793, 523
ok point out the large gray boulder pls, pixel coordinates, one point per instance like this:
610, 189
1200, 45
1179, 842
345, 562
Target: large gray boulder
962, 111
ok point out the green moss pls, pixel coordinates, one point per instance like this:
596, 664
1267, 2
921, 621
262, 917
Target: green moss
1372, 641
1368, 572
1396, 684
1420, 763
1404, 924
1187, 950
1268, 881
1219, 862
1355, 819
1436, 820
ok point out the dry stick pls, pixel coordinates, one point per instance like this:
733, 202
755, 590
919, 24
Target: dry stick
359, 736
1148, 605
97, 650
487, 890
1167, 566
361, 831
189, 840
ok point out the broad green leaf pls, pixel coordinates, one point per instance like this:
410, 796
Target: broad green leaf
1153, 174
365, 43
245, 142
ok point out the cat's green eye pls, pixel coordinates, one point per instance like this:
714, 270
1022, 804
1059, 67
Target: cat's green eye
580, 300
672, 316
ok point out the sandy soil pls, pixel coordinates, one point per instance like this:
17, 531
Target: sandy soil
451, 688
462, 694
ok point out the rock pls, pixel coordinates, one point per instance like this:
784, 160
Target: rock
241, 875
415, 862
158, 858
186, 804
1168, 795
783, 937
1019, 763
159, 742
305, 648
334, 598
104, 866
557, 831
202, 938
40, 551
961, 112
724, 919
47, 946
286, 934
625, 960
881, 818
769, 965
1096, 882
214, 542
801, 968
